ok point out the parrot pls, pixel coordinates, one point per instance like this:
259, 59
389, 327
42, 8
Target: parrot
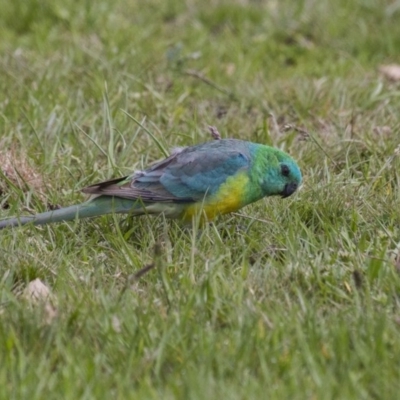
208, 179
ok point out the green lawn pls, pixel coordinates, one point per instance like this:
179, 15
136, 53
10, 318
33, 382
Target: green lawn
291, 299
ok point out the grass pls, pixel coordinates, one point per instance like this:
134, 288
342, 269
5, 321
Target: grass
290, 299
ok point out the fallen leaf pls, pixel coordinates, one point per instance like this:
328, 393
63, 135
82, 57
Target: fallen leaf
16, 170
382, 130
397, 263
116, 324
391, 71
50, 313
36, 291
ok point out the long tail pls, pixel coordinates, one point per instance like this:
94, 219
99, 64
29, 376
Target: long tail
92, 208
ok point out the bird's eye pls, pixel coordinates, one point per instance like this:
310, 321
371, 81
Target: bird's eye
285, 170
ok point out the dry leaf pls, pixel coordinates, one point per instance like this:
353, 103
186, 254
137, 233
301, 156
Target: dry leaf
347, 286
391, 71
36, 291
116, 324
50, 313
382, 130
397, 263
15, 168
230, 69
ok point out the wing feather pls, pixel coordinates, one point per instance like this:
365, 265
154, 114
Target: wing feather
186, 176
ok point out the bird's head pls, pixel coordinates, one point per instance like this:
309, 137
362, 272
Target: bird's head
282, 175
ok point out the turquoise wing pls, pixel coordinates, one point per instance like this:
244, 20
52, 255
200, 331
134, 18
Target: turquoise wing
186, 176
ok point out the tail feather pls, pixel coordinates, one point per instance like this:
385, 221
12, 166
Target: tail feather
92, 208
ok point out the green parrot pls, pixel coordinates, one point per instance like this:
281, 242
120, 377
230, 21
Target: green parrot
210, 179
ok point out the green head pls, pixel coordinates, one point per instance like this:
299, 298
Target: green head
277, 172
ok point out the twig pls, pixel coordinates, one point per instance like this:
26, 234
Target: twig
143, 271
305, 134
214, 132
209, 82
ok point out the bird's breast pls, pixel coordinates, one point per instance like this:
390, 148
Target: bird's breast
229, 197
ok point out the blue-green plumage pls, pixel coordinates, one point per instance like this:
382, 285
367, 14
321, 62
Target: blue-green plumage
214, 177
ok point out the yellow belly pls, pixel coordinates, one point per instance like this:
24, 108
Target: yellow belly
229, 198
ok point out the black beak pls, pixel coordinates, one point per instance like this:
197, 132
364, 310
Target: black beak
290, 188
